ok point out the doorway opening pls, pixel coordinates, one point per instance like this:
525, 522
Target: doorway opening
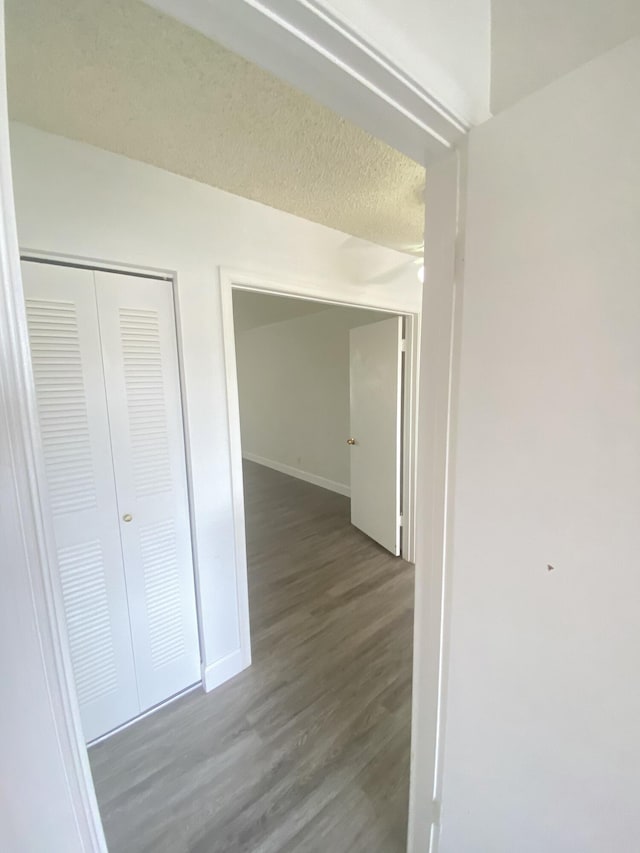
330, 606
347, 380
143, 215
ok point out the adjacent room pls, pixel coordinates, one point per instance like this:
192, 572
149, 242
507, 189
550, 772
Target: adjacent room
325, 396
320, 390
225, 365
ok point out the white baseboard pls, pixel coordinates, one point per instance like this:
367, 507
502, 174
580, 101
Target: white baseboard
141, 716
316, 479
222, 670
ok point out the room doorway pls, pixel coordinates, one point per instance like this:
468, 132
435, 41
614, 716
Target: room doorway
382, 411
330, 602
321, 392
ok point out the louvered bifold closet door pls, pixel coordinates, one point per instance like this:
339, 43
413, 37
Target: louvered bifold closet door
67, 368
138, 334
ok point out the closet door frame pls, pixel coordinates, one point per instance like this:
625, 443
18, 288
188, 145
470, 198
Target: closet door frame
68, 370
165, 276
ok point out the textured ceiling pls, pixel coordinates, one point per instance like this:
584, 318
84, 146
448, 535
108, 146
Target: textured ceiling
119, 75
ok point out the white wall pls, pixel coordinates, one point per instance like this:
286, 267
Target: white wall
83, 202
535, 43
541, 747
293, 385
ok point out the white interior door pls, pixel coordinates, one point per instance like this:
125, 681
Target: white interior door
376, 428
138, 334
67, 366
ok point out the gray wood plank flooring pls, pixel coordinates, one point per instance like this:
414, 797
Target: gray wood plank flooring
307, 751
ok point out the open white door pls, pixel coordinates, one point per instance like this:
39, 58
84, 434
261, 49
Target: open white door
376, 430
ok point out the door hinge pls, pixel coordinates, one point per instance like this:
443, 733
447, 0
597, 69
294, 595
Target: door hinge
401, 520
403, 345
435, 812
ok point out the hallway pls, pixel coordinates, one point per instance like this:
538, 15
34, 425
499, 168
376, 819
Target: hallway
308, 749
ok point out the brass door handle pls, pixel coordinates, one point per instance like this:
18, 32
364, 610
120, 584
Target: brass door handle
351, 441
127, 517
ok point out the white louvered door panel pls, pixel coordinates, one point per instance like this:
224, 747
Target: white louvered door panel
143, 391
68, 372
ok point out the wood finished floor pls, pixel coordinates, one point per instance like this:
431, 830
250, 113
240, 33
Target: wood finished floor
307, 751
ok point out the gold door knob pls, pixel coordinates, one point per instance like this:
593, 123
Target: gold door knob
351, 441
127, 517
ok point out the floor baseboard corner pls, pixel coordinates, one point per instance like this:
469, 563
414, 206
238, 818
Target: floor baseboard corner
299, 474
222, 670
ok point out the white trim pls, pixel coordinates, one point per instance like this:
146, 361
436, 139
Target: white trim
235, 454
222, 670
413, 323
191, 689
326, 291
299, 474
99, 263
401, 375
303, 43
33, 526
439, 359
